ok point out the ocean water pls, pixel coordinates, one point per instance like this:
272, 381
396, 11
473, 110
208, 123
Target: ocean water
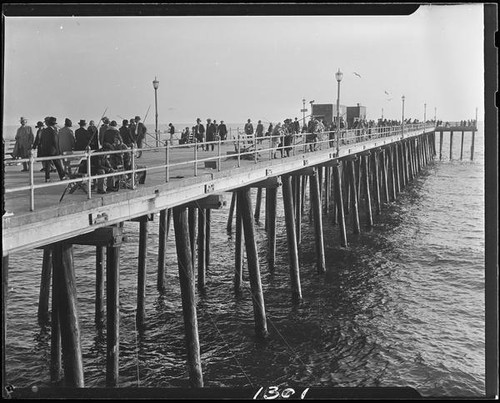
403, 305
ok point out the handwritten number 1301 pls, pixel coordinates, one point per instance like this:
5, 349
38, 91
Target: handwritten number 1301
273, 392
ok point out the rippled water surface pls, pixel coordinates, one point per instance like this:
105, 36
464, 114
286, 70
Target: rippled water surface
403, 305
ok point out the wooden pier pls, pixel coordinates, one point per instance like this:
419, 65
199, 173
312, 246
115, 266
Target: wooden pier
373, 168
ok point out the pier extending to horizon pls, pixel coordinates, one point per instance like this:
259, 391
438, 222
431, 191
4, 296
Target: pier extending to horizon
356, 171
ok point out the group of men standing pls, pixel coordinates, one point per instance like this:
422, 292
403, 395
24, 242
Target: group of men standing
209, 133
50, 140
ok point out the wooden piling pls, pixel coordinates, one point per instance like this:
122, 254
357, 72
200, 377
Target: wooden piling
271, 199
55, 332
318, 222
253, 263
68, 315
376, 177
340, 204
462, 146
192, 232
231, 211
258, 202
162, 246
293, 253
472, 145
354, 193
208, 235
396, 161
298, 208
202, 225
43, 300
385, 185
327, 188
238, 248
141, 272
346, 187
393, 175
366, 176
186, 280
440, 145
99, 284
451, 145
113, 314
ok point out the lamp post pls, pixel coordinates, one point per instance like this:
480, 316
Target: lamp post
435, 116
156, 83
403, 115
303, 110
338, 77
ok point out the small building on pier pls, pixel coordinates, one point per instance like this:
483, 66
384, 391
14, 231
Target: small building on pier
355, 113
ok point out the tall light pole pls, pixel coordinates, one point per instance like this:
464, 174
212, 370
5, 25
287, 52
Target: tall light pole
311, 102
303, 110
425, 111
156, 83
338, 77
435, 115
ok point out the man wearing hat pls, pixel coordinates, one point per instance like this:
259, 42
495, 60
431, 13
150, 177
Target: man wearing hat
24, 142
199, 133
140, 133
82, 136
48, 147
222, 130
36, 144
210, 134
66, 137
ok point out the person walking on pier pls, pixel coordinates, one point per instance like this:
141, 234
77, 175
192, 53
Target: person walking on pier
49, 147
210, 134
171, 131
36, 143
132, 128
249, 130
222, 131
259, 131
199, 133
140, 134
24, 142
82, 136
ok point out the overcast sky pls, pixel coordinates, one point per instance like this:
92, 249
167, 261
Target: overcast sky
234, 68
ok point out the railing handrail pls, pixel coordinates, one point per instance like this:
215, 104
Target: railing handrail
299, 144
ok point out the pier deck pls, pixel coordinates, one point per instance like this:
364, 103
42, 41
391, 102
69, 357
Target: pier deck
77, 214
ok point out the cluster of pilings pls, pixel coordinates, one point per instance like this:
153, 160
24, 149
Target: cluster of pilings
442, 130
337, 189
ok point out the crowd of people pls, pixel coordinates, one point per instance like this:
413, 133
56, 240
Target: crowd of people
52, 140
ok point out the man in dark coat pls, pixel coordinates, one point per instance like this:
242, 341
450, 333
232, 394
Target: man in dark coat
49, 147
103, 128
210, 134
125, 134
222, 130
140, 134
82, 136
199, 133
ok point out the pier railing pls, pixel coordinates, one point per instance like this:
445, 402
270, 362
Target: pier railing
246, 148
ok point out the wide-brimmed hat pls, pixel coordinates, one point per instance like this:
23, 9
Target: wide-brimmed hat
137, 118
39, 124
82, 122
51, 120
